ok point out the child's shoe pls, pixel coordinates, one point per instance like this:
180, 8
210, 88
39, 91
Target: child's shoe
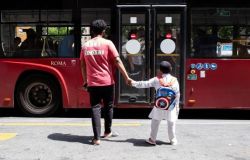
174, 142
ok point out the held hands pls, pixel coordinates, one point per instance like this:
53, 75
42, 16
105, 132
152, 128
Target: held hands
129, 81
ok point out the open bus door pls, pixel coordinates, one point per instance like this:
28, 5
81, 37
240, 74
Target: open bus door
149, 34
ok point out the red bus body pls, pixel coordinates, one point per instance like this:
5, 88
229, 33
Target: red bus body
198, 30
66, 71
224, 88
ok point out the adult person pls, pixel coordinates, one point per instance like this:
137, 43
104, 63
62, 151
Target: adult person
66, 46
32, 42
205, 45
16, 46
31, 46
17, 42
99, 58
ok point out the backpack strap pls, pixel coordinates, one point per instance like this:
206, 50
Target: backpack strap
162, 83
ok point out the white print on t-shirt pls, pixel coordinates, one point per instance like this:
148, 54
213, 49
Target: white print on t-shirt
94, 52
93, 44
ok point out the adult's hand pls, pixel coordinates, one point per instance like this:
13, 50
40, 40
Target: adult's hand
85, 86
129, 81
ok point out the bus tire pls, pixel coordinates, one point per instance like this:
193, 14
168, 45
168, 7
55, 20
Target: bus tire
38, 95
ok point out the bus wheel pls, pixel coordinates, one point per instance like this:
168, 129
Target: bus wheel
38, 95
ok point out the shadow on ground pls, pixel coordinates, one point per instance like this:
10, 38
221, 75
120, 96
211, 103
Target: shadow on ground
70, 138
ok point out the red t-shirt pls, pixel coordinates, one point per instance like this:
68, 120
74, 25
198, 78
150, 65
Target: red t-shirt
99, 55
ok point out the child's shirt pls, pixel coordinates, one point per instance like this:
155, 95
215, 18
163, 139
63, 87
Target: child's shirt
157, 113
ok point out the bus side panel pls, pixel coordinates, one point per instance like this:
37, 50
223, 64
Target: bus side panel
220, 84
82, 100
7, 83
67, 72
71, 75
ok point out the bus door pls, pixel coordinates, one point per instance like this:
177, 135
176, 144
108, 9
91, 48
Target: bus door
148, 34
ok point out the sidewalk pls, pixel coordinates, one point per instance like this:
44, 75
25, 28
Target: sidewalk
68, 139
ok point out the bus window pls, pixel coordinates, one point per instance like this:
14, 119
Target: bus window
243, 48
218, 32
2, 51
90, 14
41, 32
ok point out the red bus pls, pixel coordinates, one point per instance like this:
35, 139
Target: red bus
207, 43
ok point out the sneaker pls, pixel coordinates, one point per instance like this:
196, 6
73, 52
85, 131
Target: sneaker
96, 141
150, 141
111, 134
173, 142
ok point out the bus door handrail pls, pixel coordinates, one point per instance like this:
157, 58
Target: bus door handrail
132, 6
169, 5
149, 6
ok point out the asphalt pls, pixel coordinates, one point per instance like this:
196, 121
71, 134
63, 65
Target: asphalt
218, 135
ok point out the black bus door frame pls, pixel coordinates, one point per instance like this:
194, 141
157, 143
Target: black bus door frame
150, 40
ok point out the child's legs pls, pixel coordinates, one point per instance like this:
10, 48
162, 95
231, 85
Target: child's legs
154, 129
171, 130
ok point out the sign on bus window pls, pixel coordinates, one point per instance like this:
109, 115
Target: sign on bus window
224, 49
133, 20
168, 20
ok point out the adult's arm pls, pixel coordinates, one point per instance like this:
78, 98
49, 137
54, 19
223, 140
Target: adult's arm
122, 69
83, 68
115, 55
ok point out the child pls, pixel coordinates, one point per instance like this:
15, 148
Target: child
158, 114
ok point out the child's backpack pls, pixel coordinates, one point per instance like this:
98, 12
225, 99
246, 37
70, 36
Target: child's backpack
165, 96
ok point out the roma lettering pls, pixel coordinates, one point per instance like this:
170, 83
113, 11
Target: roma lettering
58, 63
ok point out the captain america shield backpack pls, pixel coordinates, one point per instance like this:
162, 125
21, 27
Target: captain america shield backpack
165, 97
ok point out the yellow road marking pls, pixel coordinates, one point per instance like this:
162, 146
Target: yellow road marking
6, 136
61, 124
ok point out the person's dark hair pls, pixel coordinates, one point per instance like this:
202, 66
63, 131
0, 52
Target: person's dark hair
165, 67
98, 26
17, 39
31, 33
